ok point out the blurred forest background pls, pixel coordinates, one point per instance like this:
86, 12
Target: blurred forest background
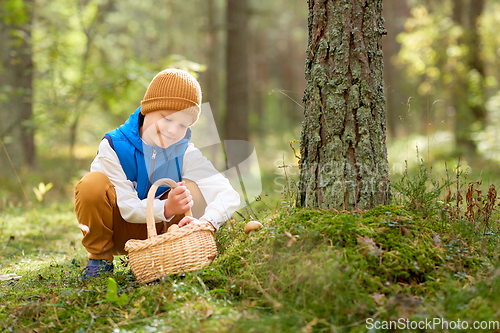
71, 70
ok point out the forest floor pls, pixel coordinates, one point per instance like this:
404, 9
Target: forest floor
422, 261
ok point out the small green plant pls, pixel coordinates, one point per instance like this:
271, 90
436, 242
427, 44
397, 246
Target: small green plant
112, 293
289, 194
420, 192
41, 190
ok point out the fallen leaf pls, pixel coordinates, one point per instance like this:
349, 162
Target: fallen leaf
437, 241
449, 266
209, 313
470, 278
377, 297
370, 243
249, 304
403, 230
292, 240
309, 327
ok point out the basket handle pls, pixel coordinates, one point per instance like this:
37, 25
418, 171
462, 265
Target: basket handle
150, 217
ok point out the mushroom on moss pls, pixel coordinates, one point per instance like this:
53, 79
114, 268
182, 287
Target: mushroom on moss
252, 225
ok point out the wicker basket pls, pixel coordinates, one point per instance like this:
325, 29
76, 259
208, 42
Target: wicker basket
187, 249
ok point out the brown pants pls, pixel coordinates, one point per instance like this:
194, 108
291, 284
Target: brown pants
96, 207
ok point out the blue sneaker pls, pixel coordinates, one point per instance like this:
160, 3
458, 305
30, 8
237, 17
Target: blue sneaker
96, 268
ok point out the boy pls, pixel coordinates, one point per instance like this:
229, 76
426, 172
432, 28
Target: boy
110, 201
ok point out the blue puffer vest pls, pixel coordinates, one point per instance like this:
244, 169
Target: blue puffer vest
144, 164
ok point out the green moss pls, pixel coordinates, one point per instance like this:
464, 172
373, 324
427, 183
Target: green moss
336, 260
339, 268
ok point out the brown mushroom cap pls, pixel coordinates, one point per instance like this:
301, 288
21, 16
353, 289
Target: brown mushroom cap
252, 225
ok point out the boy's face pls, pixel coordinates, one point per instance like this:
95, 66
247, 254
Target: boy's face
163, 128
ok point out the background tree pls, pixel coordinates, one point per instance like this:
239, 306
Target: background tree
344, 156
444, 52
395, 14
236, 118
468, 93
94, 59
211, 76
16, 83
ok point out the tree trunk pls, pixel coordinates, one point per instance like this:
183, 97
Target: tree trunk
83, 98
260, 85
236, 120
396, 13
468, 95
16, 77
343, 151
475, 62
211, 90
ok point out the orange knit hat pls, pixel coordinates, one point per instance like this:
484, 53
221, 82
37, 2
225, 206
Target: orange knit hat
173, 90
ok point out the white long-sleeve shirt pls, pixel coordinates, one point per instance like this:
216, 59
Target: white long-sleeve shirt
222, 200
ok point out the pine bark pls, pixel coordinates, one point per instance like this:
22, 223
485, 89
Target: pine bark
343, 152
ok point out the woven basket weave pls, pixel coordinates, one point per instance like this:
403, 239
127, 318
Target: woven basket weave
187, 249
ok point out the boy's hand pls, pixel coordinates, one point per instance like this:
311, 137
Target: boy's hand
189, 219
178, 202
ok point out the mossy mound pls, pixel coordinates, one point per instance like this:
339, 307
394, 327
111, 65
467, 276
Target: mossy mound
338, 265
